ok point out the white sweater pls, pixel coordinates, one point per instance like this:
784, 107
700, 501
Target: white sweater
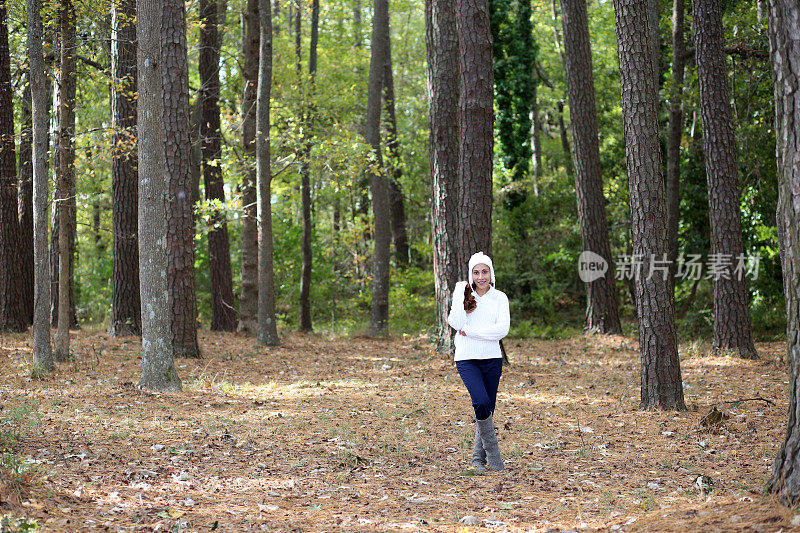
484, 327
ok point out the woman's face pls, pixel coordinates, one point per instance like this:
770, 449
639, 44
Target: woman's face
481, 275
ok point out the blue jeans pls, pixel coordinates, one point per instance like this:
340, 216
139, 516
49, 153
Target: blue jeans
482, 378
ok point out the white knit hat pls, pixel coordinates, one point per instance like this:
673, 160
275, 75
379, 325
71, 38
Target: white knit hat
480, 258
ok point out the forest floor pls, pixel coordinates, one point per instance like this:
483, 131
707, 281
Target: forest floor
363, 435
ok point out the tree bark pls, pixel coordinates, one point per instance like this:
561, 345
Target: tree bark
602, 302
42, 350
223, 312
379, 316
655, 37
784, 36
155, 200
177, 147
396, 207
26, 203
126, 304
674, 136
12, 317
443, 78
66, 176
476, 115
248, 301
661, 385
267, 324
732, 330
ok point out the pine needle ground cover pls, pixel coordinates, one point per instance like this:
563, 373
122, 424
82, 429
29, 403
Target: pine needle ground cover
362, 435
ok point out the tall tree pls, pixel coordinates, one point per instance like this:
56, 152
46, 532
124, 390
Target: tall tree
784, 28
443, 78
158, 365
248, 300
267, 324
11, 310
65, 87
125, 302
379, 316
177, 144
65, 190
306, 112
661, 385
26, 202
42, 350
393, 164
674, 135
732, 330
476, 119
223, 312
602, 304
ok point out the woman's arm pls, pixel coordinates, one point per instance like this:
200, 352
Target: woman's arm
457, 317
496, 331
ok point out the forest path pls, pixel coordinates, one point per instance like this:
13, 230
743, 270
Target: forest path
364, 435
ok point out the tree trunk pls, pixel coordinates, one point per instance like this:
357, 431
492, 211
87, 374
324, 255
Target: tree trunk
223, 312
564, 138
357, 25
12, 317
655, 37
443, 78
661, 385
248, 301
674, 136
66, 176
536, 140
267, 324
42, 350
476, 115
177, 146
126, 307
158, 365
396, 207
784, 28
306, 119
732, 331
62, 91
379, 317
26, 203
276, 16
602, 303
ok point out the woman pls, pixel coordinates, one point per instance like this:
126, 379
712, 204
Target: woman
480, 316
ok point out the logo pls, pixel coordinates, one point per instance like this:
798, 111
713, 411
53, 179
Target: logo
591, 266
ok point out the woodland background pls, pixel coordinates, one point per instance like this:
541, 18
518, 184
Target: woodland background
537, 267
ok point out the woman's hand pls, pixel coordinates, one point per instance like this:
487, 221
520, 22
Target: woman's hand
469, 300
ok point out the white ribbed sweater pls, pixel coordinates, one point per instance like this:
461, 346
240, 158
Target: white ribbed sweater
484, 327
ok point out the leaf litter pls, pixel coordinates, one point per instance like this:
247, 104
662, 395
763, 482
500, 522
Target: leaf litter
366, 435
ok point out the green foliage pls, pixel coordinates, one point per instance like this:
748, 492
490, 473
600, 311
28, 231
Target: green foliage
12, 524
514, 55
16, 422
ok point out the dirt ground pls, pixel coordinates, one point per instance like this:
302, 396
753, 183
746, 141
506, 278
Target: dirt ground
363, 435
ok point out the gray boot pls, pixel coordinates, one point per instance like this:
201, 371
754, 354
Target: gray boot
486, 432
478, 453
